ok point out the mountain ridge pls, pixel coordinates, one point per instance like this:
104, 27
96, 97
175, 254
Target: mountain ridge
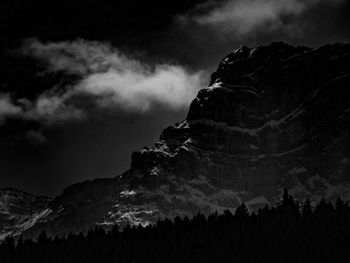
272, 117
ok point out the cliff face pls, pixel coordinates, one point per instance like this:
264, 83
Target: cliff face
273, 117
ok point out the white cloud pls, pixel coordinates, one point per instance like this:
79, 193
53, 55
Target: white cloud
106, 75
132, 90
115, 79
243, 17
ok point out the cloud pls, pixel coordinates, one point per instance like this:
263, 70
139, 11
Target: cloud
7, 107
53, 108
35, 137
115, 79
244, 17
169, 85
46, 108
103, 74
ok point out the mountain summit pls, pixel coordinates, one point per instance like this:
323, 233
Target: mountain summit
273, 117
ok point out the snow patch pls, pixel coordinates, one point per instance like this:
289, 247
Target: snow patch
215, 85
252, 131
127, 193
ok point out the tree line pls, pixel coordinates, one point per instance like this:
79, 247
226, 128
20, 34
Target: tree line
288, 232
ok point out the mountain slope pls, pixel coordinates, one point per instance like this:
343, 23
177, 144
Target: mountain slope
273, 117
20, 211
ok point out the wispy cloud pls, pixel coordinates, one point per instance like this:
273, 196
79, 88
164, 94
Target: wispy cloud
46, 108
169, 85
105, 75
52, 108
243, 17
116, 79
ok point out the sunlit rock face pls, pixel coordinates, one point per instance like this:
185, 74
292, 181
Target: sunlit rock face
273, 117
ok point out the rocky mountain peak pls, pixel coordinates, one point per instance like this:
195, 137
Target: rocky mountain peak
263, 79
273, 117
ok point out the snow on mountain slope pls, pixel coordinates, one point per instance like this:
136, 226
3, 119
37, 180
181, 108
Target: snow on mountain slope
20, 211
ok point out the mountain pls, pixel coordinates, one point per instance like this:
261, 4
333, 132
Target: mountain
273, 117
20, 211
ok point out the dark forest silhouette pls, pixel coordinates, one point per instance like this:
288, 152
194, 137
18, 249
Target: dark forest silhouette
285, 233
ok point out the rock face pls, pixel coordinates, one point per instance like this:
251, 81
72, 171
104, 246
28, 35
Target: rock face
273, 117
20, 211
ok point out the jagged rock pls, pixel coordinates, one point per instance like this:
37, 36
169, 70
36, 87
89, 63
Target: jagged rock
273, 117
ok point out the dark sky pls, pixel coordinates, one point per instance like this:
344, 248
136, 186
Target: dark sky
85, 83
